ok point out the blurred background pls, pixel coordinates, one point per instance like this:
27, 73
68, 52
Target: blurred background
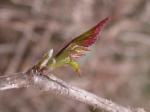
118, 67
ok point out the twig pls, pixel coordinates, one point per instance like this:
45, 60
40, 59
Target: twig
12, 81
52, 83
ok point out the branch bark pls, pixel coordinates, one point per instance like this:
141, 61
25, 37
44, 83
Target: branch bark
52, 83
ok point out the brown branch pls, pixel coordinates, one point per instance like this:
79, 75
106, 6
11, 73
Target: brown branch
52, 83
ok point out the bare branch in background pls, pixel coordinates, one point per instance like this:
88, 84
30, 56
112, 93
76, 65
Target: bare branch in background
20, 50
6, 48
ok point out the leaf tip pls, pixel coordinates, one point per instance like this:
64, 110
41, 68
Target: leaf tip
50, 53
92, 37
101, 24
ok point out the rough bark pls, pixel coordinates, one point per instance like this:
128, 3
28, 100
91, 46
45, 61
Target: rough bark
52, 83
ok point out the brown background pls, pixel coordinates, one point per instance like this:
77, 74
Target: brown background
118, 67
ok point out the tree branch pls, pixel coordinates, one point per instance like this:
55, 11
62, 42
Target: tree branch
12, 81
52, 83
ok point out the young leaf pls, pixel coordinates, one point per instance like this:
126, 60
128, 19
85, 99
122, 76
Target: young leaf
73, 50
